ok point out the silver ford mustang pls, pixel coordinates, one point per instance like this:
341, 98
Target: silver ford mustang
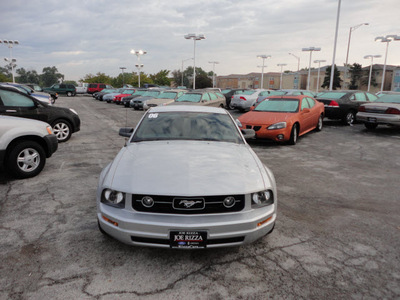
186, 179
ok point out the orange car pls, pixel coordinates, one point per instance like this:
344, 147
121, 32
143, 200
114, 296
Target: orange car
284, 118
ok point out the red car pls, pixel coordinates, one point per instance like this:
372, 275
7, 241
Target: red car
127, 92
284, 118
97, 87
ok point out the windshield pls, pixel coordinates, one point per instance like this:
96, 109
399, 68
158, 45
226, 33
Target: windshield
272, 93
278, 105
151, 93
389, 98
167, 95
197, 126
139, 92
249, 92
129, 92
189, 98
331, 95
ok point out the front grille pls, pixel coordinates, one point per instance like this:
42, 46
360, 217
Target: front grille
188, 205
255, 128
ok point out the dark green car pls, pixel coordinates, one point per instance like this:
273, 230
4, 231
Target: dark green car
62, 88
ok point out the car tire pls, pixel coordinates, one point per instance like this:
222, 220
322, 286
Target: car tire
62, 129
69, 94
294, 134
26, 159
349, 118
320, 123
370, 126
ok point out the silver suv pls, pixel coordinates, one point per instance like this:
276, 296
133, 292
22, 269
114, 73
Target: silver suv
24, 146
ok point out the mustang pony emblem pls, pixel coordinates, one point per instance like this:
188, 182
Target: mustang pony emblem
189, 203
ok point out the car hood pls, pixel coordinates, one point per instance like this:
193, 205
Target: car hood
187, 168
264, 118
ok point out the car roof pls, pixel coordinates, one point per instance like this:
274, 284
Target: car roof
188, 108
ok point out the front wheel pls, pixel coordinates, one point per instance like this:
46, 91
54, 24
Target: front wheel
320, 123
62, 129
294, 135
69, 94
350, 118
26, 159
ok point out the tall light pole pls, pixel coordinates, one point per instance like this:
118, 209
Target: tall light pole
347, 55
281, 65
334, 46
12, 61
298, 61
195, 37
183, 60
370, 68
213, 62
387, 40
263, 57
138, 53
310, 49
318, 61
123, 78
139, 67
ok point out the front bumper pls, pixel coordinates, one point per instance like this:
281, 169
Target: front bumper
152, 229
262, 132
374, 118
51, 143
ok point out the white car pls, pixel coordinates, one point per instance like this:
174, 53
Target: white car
24, 145
245, 100
186, 179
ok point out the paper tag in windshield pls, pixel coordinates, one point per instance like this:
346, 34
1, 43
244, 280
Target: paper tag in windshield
153, 116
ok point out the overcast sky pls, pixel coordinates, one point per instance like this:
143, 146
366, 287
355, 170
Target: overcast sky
86, 37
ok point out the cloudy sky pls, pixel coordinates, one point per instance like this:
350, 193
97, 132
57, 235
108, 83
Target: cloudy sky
86, 37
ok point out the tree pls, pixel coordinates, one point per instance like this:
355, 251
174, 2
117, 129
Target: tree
203, 81
50, 76
98, 78
27, 76
336, 78
161, 78
5, 75
355, 74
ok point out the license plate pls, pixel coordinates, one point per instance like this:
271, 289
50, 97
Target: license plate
372, 120
188, 239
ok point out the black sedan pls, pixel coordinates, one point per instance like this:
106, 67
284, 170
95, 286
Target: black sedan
64, 121
343, 105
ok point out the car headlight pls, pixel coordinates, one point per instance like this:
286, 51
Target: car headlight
238, 123
74, 111
113, 198
279, 125
262, 198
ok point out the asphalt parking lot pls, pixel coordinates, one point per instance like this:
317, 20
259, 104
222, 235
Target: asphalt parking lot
337, 233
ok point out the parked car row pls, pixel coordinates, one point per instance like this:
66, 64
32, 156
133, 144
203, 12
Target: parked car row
143, 99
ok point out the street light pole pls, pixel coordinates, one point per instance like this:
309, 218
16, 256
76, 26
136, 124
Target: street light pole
319, 69
12, 61
334, 47
347, 55
310, 49
298, 61
386, 40
182, 68
213, 62
281, 65
138, 53
370, 68
264, 57
123, 78
195, 38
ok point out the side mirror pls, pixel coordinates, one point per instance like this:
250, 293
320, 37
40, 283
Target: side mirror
252, 108
306, 110
126, 131
248, 134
